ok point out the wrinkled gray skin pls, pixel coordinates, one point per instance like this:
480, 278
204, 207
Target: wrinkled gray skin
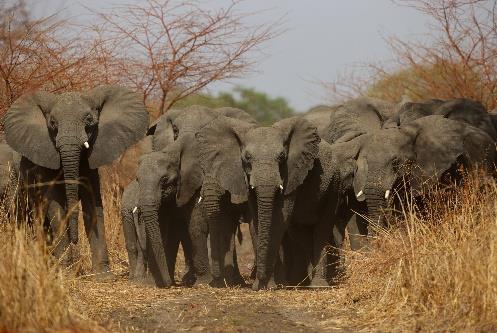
462, 109
50, 132
423, 152
134, 232
266, 166
354, 118
177, 156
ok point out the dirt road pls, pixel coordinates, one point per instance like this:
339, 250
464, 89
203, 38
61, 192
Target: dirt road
123, 307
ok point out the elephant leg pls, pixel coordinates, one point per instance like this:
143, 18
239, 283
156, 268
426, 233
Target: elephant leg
198, 232
357, 229
297, 244
253, 236
232, 274
323, 253
93, 216
357, 226
58, 233
131, 240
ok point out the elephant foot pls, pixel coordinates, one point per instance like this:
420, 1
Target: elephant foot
265, 285
188, 279
145, 280
218, 283
205, 278
237, 281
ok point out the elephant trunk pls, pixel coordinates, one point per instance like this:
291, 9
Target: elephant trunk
70, 158
376, 202
265, 248
214, 214
149, 215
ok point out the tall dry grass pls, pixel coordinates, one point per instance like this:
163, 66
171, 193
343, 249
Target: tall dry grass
432, 272
33, 292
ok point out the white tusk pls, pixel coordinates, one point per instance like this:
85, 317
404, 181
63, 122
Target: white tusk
387, 194
252, 187
86, 144
199, 199
359, 194
281, 187
135, 209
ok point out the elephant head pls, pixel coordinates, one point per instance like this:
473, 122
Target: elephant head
60, 130
422, 151
265, 163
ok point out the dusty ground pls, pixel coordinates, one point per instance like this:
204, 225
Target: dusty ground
124, 307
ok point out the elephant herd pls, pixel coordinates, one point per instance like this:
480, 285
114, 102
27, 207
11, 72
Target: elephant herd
300, 184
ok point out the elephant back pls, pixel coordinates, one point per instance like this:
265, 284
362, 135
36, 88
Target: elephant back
319, 116
461, 109
357, 117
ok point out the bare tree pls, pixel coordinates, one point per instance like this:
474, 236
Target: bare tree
46, 53
458, 59
171, 49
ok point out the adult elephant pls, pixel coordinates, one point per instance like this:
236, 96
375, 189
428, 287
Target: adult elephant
64, 139
424, 152
169, 181
460, 109
270, 168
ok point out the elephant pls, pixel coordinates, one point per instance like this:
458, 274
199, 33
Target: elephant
355, 117
285, 174
64, 139
422, 153
460, 109
169, 181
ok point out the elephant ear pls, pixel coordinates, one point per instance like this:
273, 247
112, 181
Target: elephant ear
302, 141
164, 132
219, 144
191, 176
344, 161
439, 144
123, 121
26, 129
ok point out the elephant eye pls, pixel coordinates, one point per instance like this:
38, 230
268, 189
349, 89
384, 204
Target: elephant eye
175, 132
246, 156
52, 123
89, 120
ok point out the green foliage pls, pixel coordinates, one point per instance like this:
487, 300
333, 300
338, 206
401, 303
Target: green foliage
265, 109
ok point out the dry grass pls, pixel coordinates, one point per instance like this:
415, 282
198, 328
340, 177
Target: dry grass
433, 273
34, 295
436, 272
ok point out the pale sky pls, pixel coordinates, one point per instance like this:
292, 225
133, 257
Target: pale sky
323, 39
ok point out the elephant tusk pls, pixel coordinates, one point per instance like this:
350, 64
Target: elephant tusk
86, 144
199, 199
135, 209
387, 194
281, 187
252, 187
359, 194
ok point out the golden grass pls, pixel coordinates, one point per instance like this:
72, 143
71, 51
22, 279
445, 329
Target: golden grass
33, 293
436, 272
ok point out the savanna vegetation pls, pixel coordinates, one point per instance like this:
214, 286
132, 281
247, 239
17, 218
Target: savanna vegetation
435, 271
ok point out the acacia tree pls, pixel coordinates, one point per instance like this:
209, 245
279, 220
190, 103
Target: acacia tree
45, 53
171, 49
458, 59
